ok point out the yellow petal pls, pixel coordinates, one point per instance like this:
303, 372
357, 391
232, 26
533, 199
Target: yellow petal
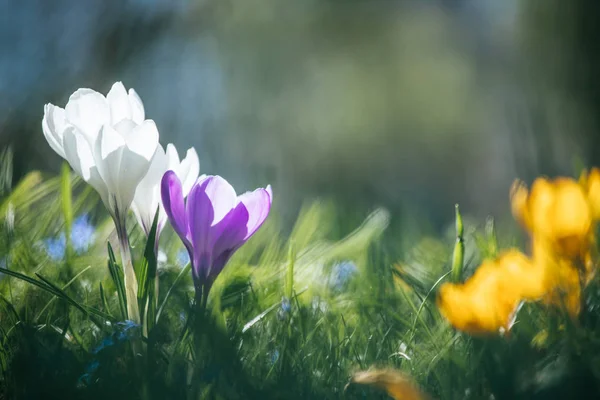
524, 278
560, 211
571, 216
562, 280
592, 186
539, 204
484, 304
395, 383
518, 202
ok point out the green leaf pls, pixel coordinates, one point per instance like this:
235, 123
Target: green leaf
6, 170
147, 279
184, 271
63, 288
61, 293
11, 309
51, 288
117, 276
104, 301
67, 208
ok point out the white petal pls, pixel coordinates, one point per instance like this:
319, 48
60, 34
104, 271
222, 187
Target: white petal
143, 139
188, 170
124, 159
143, 219
125, 127
54, 124
108, 151
137, 107
173, 158
118, 100
147, 194
79, 155
133, 168
88, 110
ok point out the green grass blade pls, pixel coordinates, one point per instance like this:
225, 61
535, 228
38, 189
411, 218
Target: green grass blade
61, 293
289, 287
64, 287
6, 170
51, 288
147, 279
117, 276
184, 271
104, 301
67, 208
10, 308
41, 285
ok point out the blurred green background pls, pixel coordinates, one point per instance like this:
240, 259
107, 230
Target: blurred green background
410, 105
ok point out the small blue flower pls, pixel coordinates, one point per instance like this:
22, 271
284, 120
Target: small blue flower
106, 342
286, 305
183, 258
285, 309
127, 330
82, 236
124, 331
341, 274
55, 247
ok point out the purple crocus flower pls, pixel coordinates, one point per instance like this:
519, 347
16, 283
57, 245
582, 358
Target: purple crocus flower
213, 222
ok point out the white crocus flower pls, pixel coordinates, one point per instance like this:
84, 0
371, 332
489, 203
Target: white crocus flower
107, 141
147, 196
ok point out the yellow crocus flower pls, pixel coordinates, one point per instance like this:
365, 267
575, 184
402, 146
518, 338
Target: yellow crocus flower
487, 302
562, 277
557, 210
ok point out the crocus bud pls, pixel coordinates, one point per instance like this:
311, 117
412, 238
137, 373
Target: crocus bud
459, 248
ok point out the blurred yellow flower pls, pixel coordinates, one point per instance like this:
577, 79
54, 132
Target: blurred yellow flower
395, 383
559, 211
560, 216
487, 302
562, 277
591, 185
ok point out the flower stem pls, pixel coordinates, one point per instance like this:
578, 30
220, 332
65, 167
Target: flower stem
156, 292
130, 281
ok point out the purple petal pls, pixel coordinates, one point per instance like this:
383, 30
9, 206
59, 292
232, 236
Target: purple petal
230, 233
200, 213
217, 266
250, 213
172, 199
209, 203
222, 196
258, 204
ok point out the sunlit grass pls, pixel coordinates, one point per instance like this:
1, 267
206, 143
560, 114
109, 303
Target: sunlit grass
294, 315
